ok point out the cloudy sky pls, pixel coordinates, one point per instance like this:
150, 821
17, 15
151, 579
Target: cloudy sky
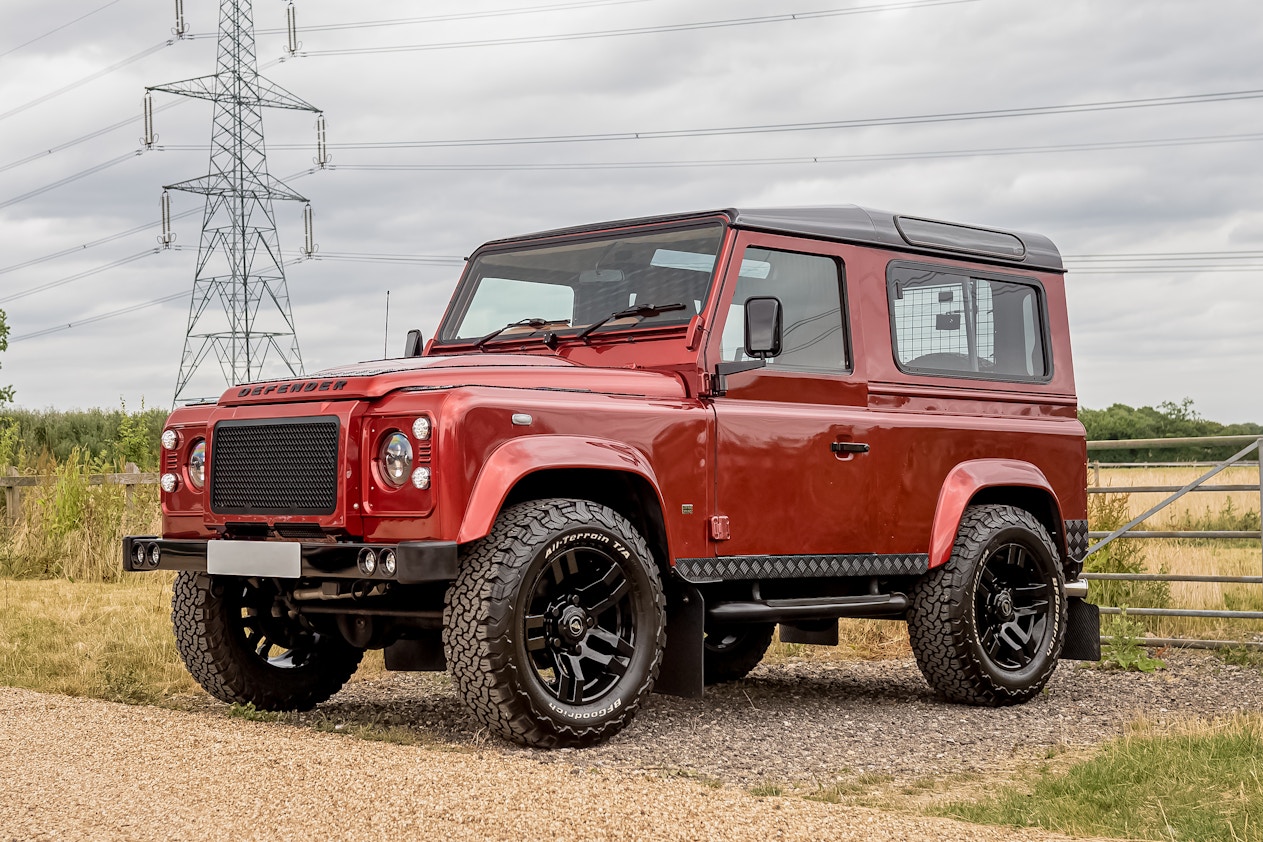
1156, 197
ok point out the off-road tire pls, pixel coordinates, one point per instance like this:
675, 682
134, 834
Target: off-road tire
485, 634
211, 637
732, 651
944, 618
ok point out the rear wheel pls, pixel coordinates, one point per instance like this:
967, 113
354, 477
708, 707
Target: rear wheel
555, 627
987, 627
243, 650
733, 650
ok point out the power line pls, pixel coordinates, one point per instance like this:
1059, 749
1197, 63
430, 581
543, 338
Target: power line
641, 30
44, 287
84, 138
865, 122
102, 317
365, 257
99, 242
57, 29
118, 65
799, 160
70, 178
494, 13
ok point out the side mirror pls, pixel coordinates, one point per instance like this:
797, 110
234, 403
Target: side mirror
763, 327
413, 344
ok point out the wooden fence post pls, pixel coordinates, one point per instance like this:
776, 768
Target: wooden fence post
13, 500
129, 490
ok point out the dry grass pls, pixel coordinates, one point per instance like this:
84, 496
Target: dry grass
1195, 506
858, 640
1205, 511
71, 530
103, 640
109, 641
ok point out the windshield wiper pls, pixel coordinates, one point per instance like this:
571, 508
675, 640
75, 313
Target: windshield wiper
535, 324
643, 310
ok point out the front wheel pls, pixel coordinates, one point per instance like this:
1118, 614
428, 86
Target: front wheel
987, 627
555, 627
243, 651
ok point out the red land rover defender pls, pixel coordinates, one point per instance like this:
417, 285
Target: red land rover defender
632, 450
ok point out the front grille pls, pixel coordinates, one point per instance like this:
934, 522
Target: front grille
270, 467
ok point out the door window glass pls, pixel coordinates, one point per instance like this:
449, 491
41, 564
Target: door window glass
809, 287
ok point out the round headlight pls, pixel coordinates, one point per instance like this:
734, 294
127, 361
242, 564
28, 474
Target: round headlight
169, 482
421, 429
197, 464
421, 477
389, 563
367, 561
396, 459
170, 438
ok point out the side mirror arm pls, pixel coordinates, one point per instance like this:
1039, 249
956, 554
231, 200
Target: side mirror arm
719, 383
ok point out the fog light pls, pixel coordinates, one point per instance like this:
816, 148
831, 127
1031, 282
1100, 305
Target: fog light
368, 561
388, 562
138, 556
155, 555
421, 429
170, 482
421, 477
170, 438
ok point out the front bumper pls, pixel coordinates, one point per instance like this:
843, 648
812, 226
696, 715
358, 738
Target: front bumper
417, 561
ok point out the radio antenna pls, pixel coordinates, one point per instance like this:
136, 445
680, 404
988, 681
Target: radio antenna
386, 340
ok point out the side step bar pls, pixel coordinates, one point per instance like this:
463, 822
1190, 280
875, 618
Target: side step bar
872, 606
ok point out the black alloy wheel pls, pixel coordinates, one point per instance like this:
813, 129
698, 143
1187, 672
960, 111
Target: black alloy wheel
242, 650
987, 627
579, 628
1011, 603
554, 629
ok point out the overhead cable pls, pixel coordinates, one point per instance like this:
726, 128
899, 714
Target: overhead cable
797, 160
490, 13
866, 122
78, 83
98, 242
363, 257
77, 276
123, 311
70, 178
85, 138
57, 29
640, 30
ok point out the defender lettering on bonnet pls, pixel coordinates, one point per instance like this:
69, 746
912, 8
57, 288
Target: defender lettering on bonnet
293, 388
879, 412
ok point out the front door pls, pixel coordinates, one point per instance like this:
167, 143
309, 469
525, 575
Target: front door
791, 472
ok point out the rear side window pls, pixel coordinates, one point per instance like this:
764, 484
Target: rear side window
964, 325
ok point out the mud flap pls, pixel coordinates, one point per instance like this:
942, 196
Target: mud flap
423, 654
682, 662
1083, 632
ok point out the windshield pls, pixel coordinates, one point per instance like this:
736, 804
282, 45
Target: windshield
566, 288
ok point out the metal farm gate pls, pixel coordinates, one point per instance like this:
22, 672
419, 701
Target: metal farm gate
1249, 445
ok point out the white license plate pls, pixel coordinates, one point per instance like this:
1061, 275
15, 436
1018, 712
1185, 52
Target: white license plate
254, 558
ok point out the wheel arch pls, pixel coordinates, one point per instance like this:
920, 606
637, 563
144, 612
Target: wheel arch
999, 481
540, 467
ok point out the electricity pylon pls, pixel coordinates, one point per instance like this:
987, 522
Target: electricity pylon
239, 263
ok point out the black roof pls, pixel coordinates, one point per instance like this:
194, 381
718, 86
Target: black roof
854, 224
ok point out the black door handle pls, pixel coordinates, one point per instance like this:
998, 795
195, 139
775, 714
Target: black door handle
849, 447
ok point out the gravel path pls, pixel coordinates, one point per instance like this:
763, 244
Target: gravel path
810, 722
76, 769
